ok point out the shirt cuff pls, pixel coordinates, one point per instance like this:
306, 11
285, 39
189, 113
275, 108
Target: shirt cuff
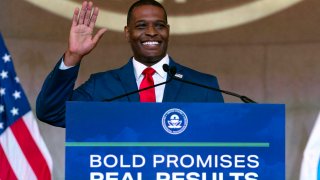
63, 66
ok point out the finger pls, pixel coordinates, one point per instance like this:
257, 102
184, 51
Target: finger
88, 14
99, 35
83, 12
94, 17
75, 17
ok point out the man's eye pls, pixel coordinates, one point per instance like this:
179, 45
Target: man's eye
140, 26
160, 25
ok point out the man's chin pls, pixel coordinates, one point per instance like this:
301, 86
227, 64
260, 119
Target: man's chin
150, 59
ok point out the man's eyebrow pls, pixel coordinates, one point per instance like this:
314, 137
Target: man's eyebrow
163, 21
143, 20
140, 21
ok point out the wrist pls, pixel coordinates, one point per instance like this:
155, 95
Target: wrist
71, 59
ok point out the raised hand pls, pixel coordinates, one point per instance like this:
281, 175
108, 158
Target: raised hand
82, 40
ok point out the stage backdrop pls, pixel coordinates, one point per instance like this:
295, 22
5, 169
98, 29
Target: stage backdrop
269, 52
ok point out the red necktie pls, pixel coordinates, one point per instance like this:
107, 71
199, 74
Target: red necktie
148, 95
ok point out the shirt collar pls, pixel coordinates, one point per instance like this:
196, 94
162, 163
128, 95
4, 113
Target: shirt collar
139, 67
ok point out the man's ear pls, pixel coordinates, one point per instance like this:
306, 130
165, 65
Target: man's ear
168, 32
126, 33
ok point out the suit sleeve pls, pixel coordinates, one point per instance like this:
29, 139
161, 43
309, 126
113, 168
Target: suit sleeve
56, 90
214, 96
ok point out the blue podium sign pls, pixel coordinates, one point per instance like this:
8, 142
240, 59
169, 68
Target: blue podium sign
175, 141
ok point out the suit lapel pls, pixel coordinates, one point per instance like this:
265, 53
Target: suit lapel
172, 88
128, 81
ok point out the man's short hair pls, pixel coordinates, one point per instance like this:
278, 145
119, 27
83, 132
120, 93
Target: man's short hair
144, 2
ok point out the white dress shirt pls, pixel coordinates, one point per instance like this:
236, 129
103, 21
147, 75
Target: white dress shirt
158, 77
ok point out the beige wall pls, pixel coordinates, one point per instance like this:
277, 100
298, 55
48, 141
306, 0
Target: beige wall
273, 60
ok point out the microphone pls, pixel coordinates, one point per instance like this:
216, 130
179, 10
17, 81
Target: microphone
172, 71
139, 90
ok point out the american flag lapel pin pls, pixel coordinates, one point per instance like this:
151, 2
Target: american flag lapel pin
178, 75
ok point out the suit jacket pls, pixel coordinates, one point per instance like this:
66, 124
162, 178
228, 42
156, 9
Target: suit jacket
58, 88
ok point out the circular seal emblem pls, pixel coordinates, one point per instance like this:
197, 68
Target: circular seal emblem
174, 121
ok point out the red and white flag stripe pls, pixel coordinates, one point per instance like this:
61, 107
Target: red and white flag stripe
311, 156
23, 153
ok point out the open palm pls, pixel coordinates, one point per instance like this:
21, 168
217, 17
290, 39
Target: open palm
82, 40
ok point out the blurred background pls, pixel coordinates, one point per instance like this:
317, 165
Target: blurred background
268, 50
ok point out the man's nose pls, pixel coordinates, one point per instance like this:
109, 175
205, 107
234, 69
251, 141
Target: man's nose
151, 31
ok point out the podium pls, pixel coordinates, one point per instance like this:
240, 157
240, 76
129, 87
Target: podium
175, 141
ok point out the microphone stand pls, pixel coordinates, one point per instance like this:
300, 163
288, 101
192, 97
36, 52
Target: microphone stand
172, 71
137, 91
245, 99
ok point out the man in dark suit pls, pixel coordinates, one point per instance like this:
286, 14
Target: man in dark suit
147, 31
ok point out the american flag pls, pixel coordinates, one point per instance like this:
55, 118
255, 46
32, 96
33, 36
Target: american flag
310, 167
23, 153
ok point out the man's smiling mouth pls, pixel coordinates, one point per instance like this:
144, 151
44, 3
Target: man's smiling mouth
151, 43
